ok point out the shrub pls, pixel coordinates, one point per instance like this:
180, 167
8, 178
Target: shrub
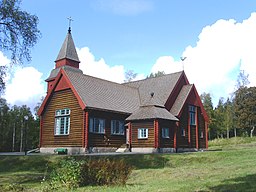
105, 172
66, 174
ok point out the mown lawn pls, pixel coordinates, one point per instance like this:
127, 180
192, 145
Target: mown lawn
229, 165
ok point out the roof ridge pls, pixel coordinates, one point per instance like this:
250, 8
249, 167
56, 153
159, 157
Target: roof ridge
153, 77
105, 80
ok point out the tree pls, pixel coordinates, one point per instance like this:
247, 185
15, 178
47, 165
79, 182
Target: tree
18, 33
130, 75
245, 108
208, 106
242, 79
219, 115
229, 114
157, 74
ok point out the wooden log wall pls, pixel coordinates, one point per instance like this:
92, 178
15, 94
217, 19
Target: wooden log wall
61, 100
167, 142
141, 143
106, 139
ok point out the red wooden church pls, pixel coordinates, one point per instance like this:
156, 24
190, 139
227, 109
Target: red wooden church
84, 114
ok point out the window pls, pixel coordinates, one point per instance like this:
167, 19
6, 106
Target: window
192, 115
165, 133
202, 134
62, 122
183, 132
142, 133
117, 127
96, 125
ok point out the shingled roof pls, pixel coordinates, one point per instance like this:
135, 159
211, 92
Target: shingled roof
101, 94
162, 85
143, 99
181, 99
151, 112
68, 49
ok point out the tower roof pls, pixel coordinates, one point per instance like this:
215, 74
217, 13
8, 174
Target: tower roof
68, 50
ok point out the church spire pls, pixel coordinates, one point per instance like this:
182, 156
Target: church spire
68, 54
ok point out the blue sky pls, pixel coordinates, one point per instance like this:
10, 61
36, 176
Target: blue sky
112, 36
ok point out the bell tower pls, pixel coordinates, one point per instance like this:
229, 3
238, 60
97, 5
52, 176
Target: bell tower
67, 58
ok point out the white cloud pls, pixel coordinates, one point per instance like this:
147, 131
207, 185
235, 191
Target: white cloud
213, 64
124, 7
90, 66
99, 68
26, 87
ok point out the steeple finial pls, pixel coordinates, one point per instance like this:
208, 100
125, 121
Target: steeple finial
69, 24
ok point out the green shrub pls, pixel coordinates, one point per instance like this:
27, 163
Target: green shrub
105, 172
66, 174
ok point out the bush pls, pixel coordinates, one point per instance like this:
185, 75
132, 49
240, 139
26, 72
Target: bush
105, 172
66, 174
71, 173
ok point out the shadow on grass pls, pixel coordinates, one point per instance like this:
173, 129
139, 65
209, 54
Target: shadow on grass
138, 161
22, 163
149, 161
246, 183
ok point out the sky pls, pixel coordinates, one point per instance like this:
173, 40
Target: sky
218, 39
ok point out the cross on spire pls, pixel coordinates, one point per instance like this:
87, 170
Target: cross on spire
69, 24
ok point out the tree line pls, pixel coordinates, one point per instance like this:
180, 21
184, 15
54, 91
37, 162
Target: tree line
19, 128
235, 116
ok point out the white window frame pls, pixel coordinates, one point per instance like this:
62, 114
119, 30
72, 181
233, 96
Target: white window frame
165, 132
117, 127
142, 133
96, 125
62, 122
192, 114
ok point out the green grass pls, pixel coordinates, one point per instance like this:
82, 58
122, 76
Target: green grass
229, 165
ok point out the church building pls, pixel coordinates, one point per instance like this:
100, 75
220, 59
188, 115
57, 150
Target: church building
84, 114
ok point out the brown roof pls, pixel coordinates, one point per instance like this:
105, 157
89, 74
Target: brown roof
151, 112
162, 86
181, 99
101, 94
143, 99
68, 49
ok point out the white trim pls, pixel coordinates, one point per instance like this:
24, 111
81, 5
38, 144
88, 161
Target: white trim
142, 133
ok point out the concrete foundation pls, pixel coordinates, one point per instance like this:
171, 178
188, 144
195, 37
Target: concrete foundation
144, 150
167, 150
71, 150
180, 150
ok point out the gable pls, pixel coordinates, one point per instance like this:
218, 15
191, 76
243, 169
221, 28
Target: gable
61, 83
182, 81
161, 86
187, 95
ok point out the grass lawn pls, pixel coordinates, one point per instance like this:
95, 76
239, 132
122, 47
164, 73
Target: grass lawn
229, 165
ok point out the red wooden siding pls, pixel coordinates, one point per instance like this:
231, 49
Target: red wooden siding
150, 141
107, 139
182, 141
61, 100
201, 128
167, 142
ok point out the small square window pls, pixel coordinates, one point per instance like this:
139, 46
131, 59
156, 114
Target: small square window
117, 127
142, 133
165, 133
96, 125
